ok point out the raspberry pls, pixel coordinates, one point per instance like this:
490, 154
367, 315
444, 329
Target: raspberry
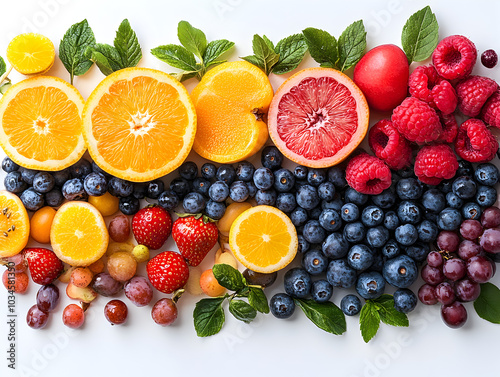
454, 57
389, 145
435, 163
450, 128
491, 110
368, 174
444, 97
417, 121
473, 92
475, 142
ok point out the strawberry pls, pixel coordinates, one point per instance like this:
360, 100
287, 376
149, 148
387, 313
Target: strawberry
43, 264
195, 236
152, 226
167, 271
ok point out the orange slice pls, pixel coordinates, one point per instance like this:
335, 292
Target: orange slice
263, 239
31, 53
78, 234
139, 124
231, 101
14, 225
40, 123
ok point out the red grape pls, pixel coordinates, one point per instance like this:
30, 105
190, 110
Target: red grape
432, 275
36, 319
491, 217
434, 259
16, 281
454, 269
454, 315
445, 293
47, 298
73, 316
490, 241
479, 269
139, 291
164, 312
427, 295
105, 285
471, 229
119, 228
116, 312
467, 290
469, 249
448, 240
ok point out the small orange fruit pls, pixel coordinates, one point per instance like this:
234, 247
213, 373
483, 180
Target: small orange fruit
231, 101
107, 204
40, 224
209, 284
14, 225
31, 53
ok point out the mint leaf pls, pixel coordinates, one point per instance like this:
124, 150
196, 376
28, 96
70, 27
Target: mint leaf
258, 300
420, 35
229, 277
176, 56
291, 51
487, 305
255, 61
208, 316
369, 321
127, 45
264, 56
242, 311
268, 43
327, 316
194, 40
322, 47
389, 315
106, 58
214, 50
3, 66
352, 45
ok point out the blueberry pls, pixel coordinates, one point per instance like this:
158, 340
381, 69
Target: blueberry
349, 212
385, 200
315, 213
464, 187
315, 177
372, 216
321, 291
97, 169
218, 191
263, 178
407, 172
427, 231
431, 216
335, 246
297, 283
95, 184
168, 199
303, 244
354, 232
449, 219
238, 191
208, 171
406, 234
181, 187
314, 262
215, 210
404, 300
271, 157
307, 197
140, 190
73, 189
244, 171
401, 271
299, 216
339, 274
282, 305
360, 257
453, 201
390, 249
409, 189
335, 204
326, 191
465, 168
28, 175
188, 170
391, 220
266, 197
201, 185
8, 165
445, 186
286, 202
313, 232
377, 236
336, 175
418, 252
252, 189
154, 189
433, 200
370, 285
352, 196
300, 172
283, 180
226, 173
54, 198
129, 205
81, 169
193, 203
486, 196
61, 176
119, 187
14, 183
409, 212
471, 211
487, 174
32, 199
330, 220
350, 305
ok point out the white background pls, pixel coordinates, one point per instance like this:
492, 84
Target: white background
293, 347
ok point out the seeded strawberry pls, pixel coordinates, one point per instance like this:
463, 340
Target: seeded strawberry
168, 271
152, 226
43, 264
195, 237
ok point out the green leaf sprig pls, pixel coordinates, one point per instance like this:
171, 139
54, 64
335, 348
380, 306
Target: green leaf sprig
487, 305
4, 80
420, 35
195, 55
327, 316
342, 54
376, 310
279, 59
209, 314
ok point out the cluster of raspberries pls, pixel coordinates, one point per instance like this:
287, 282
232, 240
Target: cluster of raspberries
426, 118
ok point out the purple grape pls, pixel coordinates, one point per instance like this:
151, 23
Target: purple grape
36, 319
469, 249
471, 229
467, 290
490, 241
104, 284
448, 240
454, 315
434, 259
432, 275
47, 298
489, 58
479, 269
454, 269
445, 293
490, 217
427, 295
139, 291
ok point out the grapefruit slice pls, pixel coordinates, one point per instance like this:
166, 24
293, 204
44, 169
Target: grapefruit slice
318, 117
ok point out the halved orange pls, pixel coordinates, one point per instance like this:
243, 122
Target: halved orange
14, 225
78, 234
318, 117
231, 102
31, 53
139, 124
40, 123
263, 239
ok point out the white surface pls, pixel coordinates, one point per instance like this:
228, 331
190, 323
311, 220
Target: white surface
268, 346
